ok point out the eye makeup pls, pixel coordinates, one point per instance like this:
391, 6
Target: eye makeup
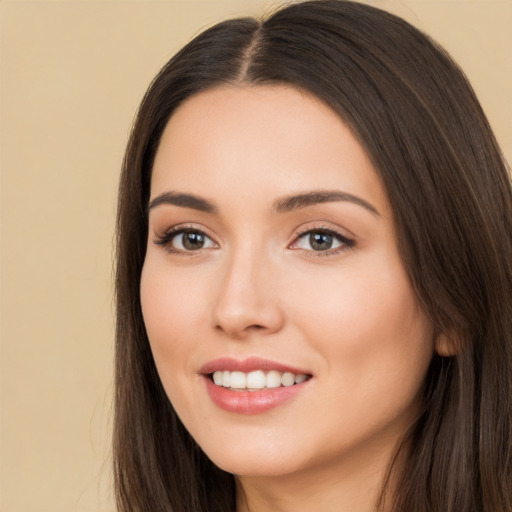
185, 239
316, 241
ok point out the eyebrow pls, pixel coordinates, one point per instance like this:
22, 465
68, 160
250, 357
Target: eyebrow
298, 201
183, 200
283, 205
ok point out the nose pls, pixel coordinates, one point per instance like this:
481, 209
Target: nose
247, 300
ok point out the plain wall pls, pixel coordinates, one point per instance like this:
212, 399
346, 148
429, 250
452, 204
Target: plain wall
71, 76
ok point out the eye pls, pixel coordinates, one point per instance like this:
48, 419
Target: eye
322, 240
191, 241
185, 240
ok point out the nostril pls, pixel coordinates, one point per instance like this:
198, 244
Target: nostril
240, 332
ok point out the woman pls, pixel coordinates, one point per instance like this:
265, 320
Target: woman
314, 276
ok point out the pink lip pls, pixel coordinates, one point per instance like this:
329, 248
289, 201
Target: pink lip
248, 365
250, 402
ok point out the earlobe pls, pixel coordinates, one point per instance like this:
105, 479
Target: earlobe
446, 345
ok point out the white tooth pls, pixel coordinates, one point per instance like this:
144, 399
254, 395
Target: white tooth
300, 378
217, 378
256, 380
273, 379
238, 380
288, 379
226, 378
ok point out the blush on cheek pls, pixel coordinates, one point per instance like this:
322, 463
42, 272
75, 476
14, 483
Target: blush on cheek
171, 321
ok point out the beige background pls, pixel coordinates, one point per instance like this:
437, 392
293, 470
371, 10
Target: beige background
71, 76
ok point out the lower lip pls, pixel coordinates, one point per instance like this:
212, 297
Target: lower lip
251, 402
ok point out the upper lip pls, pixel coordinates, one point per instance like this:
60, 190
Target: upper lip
248, 365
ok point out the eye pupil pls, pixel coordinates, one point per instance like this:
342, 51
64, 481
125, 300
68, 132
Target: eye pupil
193, 241
320, 241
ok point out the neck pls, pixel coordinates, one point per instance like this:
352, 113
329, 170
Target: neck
352, 486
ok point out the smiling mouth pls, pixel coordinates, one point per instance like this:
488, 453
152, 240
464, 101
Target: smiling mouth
256, 380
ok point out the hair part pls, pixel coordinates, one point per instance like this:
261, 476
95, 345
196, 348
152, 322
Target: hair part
417, 117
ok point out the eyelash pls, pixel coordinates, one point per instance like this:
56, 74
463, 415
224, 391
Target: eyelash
165, 240
346, 243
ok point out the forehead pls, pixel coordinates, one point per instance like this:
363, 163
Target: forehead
269, 139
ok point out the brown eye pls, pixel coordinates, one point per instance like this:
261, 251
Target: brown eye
321, 241
191, 241
186, 240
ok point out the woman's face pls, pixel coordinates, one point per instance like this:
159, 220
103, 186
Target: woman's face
282, 323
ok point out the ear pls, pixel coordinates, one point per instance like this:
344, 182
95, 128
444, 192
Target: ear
446, 345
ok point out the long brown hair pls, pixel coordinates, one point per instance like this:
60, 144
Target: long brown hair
417, 117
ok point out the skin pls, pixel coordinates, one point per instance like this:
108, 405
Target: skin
348, 315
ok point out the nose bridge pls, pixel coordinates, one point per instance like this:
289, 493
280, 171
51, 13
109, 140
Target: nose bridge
246, 299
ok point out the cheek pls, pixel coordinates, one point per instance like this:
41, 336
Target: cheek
171, 316
370, 330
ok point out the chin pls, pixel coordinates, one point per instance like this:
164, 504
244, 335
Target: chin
254, 468
256, 461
